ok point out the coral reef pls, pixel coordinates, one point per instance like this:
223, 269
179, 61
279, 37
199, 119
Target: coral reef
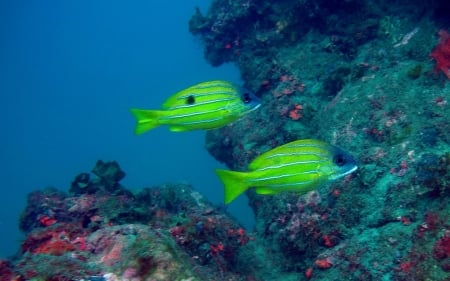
102, 231
374, 83
366, 83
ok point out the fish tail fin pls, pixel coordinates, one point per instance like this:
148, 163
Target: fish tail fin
146, 119
234, 183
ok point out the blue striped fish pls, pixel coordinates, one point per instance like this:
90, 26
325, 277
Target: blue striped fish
299, 166
207, 105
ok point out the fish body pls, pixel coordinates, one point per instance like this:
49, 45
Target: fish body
299, 166
207, 105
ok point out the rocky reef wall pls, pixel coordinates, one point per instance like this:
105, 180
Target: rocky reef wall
370, 77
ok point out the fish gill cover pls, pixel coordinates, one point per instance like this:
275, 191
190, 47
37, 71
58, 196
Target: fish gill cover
368, 76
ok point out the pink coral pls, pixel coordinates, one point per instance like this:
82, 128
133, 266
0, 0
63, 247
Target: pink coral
113, 255
130, 273
441, 249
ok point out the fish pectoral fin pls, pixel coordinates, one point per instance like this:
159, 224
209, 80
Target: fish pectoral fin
265, 191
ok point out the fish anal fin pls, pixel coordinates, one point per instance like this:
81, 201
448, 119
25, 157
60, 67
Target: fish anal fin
174, 128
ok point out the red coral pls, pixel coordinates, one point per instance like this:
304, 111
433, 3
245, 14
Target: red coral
296, 112
6, 273
432, 220
216, 249
309, 272
46, 220
441, 249
441, 53
48, 242
55, 247
323, 263
328, 241
406, 266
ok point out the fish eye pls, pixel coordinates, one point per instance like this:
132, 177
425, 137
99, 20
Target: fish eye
339, 160
246, 98
190, 100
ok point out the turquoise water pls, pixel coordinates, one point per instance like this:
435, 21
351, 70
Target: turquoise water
68, 75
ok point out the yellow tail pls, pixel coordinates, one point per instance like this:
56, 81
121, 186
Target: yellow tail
234, 183
146, 119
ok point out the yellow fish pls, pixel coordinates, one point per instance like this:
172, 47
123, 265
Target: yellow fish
299, 166
207, 105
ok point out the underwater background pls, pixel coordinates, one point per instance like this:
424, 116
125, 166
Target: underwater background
70, 72
83, 198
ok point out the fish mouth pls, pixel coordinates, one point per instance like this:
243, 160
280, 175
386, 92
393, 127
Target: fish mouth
349, 171
346, 173
254, 108
250, 109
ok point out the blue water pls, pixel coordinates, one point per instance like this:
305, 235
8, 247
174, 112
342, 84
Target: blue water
69, 72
